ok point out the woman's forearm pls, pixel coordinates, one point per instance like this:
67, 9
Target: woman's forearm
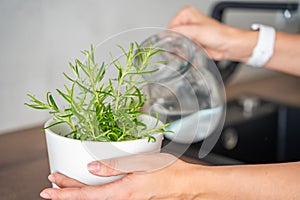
286, 54
286, 57
249, 182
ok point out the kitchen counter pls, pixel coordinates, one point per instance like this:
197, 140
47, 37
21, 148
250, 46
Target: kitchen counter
23, 164
23, 156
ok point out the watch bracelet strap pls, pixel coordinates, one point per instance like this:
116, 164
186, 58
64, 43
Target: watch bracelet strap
264, 48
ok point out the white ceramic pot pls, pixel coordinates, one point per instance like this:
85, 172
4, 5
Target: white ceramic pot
70, 156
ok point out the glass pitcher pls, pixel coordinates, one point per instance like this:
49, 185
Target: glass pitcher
186, 91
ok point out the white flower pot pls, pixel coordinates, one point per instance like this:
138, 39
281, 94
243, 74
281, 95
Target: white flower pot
70, 156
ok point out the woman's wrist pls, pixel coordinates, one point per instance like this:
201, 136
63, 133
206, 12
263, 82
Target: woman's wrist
241, 45
199, 181
220, 182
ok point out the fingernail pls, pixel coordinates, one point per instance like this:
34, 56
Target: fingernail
45, 195
51, 178
93, 166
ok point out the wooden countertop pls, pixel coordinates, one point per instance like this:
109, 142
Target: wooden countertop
23, 164
23, 156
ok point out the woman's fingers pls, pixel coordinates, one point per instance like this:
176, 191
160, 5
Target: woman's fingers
213, 38
72, 189
63, 181
114, 190
190, 16
187, 15
190, 31
66, 194
130, 164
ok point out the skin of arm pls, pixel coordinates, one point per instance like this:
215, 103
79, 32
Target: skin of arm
223, 42
181, 180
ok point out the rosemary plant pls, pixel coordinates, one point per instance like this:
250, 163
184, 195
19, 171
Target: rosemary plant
99, 110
